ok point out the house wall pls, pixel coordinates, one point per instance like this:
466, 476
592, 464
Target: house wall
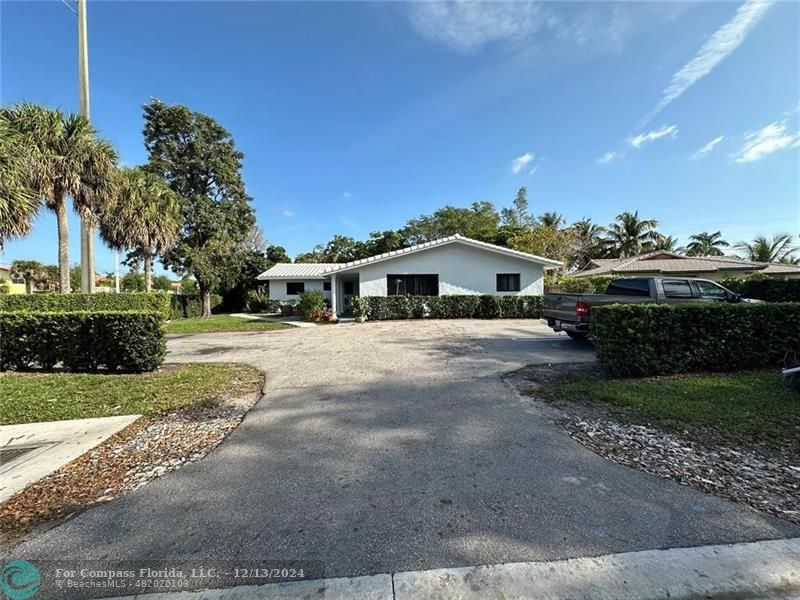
277, 288
461, 269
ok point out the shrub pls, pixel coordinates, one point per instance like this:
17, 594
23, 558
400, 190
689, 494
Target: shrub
5, 287
636, 339
382, 308
258, 302
187, 306
82, 340
765, 288
312, 304
584, 285
86, 302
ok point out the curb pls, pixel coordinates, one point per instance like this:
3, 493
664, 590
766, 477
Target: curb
769, 569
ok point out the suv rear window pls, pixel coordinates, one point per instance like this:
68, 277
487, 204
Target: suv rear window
677, 288
629, 287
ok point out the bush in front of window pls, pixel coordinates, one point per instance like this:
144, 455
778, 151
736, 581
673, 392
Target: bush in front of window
384, 308
649, 339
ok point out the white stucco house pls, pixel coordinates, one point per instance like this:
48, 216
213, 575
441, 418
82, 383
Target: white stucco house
451, 265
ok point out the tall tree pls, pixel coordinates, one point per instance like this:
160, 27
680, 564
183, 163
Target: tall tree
70, 161
33, 272
778, 249
479, 221
588, 242
549, 242
664, 242
551, 219
19, 202
706, 244
629, 235
199, 160
519, 214
275, 255
144, 219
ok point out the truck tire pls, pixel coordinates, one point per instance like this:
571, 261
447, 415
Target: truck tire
579, 336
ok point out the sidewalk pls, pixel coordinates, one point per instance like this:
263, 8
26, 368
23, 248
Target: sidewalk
769, 569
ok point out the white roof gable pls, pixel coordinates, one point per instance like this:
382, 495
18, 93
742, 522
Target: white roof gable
322, 270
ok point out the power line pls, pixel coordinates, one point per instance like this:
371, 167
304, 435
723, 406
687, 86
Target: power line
65, 3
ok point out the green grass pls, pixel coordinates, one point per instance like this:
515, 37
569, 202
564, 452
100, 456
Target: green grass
222, 323
35, 397
755, 406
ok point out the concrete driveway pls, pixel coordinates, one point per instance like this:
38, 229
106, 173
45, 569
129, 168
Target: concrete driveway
396, 446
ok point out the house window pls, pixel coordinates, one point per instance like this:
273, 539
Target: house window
295, 288
326, 286
412, 285
508, 282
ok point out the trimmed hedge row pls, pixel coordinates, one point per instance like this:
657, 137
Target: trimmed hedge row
128, 341
764, 288
187, 306
637, 339
86, 302
382, 308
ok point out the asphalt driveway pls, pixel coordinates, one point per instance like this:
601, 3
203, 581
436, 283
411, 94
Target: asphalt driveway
396, 446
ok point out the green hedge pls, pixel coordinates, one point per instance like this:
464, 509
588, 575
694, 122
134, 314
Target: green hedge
764, 288
82, 341
650, 339
85, 302
584, 285
382, 308
187, 306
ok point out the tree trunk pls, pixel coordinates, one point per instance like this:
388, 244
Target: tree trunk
205, 294
148, 271
28, 285
63, 251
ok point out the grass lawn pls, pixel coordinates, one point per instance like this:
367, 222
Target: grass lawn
222, 323
34, 397
755, 406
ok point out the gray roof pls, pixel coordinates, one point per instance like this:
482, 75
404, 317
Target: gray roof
668, 262
296, 271
322, 270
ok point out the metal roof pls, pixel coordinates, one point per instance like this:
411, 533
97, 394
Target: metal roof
296, 271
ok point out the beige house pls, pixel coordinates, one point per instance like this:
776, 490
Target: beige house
660, 263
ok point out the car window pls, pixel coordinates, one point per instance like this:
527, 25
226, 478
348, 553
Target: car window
677, 288
710, 291
629, 287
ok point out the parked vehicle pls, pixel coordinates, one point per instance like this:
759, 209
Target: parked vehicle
571, 313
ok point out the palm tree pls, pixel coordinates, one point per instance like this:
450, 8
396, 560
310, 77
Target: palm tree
144, 218
19, 203
629, 235
553, 220
69, 161
664, 242
706, 244
589, 241
779, 249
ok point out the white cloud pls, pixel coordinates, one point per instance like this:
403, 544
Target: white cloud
640, 140
287, 212
519, 163
608, 157
707, 149
347, 195
724, 41
533, 170
467, 26
767, 140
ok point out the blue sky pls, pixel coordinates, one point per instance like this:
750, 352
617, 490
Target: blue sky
358, 116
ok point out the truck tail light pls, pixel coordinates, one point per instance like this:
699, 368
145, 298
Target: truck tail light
581, 308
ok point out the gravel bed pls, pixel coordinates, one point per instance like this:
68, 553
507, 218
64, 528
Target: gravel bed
148, 448
768, 483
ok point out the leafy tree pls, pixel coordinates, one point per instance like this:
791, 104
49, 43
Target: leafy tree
68, 160
629, 235
706, 244
188, 286
143, 219
778, 249
317, 255
199, 160
479, 222
549, 242
380, 242
132, 281
33, 272
275, 255
519, 214
162, 283
552, 219
19, 203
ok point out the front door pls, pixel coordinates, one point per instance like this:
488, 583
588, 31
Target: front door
348, 291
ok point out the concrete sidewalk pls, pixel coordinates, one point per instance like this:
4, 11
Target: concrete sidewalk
38, 449
768, 569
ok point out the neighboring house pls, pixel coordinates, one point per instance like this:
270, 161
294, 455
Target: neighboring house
451, 265
669, 263
16, 285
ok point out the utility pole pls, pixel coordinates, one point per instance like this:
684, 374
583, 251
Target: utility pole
87, 230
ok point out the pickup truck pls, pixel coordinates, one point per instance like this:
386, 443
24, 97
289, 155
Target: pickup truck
571, 313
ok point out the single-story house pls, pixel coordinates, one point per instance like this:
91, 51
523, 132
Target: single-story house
451, 265
661, 263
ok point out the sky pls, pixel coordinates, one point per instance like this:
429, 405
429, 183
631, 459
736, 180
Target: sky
356, 116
